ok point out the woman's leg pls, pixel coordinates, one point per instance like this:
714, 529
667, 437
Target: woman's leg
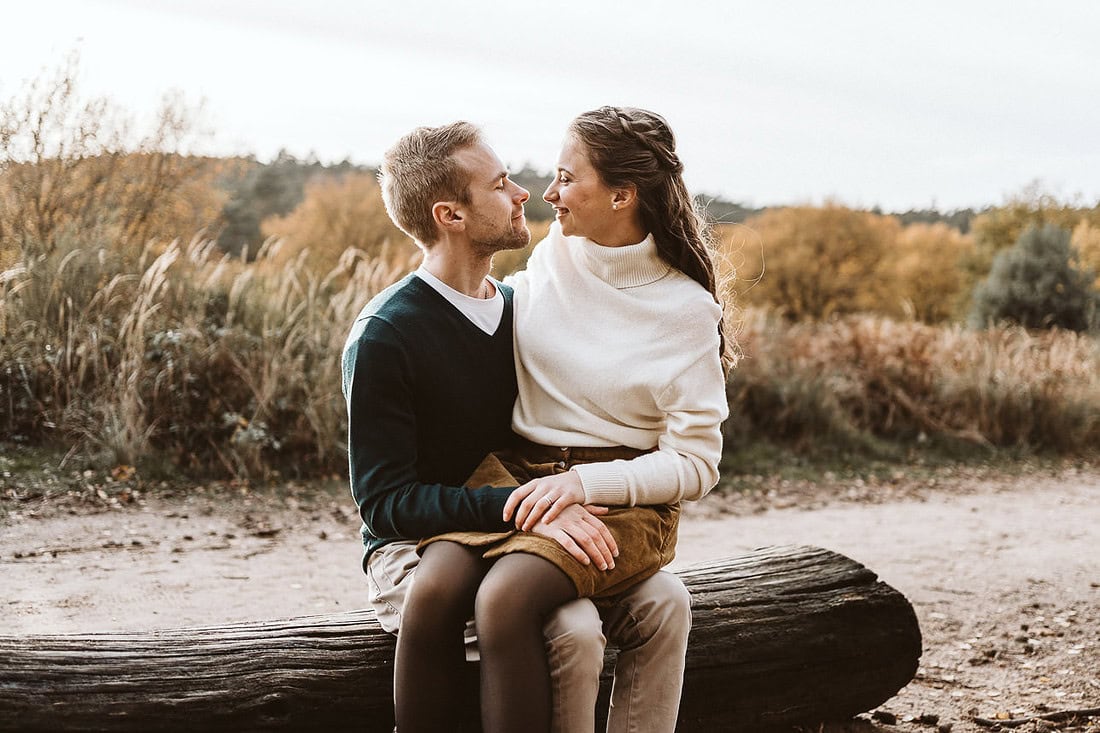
517, 595
430, 650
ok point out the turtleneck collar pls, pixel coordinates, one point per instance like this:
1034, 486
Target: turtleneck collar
625, 267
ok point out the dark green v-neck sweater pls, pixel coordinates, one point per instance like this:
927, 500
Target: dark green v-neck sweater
429, 394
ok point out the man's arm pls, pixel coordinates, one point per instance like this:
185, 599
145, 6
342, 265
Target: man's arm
382, 449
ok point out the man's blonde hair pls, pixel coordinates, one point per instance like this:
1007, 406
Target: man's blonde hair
419, 170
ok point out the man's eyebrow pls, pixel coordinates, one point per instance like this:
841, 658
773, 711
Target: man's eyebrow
499, 176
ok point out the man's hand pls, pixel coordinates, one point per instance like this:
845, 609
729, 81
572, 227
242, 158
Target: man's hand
582, 535
544, 499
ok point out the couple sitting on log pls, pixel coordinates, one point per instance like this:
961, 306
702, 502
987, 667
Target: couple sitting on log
520, 448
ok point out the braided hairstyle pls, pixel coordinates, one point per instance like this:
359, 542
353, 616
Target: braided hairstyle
634, 147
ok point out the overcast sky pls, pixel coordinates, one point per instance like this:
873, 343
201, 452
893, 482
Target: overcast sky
908, 105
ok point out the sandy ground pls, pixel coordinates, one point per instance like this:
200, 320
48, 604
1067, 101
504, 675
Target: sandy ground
1004, 572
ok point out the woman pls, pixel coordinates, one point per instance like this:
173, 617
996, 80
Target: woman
620, 358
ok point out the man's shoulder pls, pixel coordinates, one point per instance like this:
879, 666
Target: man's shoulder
382, 317
403, 296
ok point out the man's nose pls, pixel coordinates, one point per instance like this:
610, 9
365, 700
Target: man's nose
522, 195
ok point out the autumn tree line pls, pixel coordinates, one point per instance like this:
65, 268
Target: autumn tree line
177, 311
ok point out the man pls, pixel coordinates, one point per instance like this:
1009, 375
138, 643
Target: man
430, 382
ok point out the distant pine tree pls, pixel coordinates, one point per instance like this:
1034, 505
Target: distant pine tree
1038, 283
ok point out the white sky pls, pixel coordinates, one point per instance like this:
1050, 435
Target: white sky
871, 103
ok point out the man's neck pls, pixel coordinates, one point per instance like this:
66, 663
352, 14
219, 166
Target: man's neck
466, 273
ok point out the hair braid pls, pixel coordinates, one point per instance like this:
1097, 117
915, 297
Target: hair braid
649, 137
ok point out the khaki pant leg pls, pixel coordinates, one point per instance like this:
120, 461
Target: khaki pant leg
390, 571
574, 650
649, 623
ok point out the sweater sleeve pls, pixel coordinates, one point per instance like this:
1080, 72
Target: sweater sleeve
382, 449
685, 464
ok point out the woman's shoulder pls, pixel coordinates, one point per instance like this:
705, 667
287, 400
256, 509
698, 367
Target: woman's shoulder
689, 297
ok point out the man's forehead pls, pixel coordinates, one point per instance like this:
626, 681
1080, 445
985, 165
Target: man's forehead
481, 161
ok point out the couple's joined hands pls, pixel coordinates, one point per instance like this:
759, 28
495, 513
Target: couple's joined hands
553, 506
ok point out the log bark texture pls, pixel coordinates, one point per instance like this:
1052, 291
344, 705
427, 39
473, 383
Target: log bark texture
781, 636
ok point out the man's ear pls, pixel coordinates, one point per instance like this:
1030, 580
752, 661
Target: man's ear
625, 197
447, 216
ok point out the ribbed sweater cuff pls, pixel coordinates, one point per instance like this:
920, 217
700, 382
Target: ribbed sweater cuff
604, 484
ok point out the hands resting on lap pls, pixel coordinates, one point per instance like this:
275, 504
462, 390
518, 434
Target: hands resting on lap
553, 506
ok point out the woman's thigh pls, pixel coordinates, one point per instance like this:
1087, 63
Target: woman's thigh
447, 580
520, 586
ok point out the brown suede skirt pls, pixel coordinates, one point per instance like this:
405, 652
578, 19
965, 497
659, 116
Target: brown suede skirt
646, 535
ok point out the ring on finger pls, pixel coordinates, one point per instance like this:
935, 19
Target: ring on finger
548, 500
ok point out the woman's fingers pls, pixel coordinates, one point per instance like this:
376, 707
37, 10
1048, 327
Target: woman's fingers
565, 489
533, 509
525, 501
516, 498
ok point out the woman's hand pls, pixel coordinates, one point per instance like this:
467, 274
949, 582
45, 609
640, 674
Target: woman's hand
544, 499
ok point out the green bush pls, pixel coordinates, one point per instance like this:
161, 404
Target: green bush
1038, 283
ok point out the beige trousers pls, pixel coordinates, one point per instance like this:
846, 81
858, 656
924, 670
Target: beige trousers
649, 624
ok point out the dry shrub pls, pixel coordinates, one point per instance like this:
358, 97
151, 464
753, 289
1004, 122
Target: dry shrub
822, 261
224, 368
77, 167
856, 378
923, 267
337, 213
1086, 241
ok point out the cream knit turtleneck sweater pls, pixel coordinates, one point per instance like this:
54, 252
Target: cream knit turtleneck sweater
615, 347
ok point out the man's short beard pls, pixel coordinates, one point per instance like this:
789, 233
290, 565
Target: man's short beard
511, 240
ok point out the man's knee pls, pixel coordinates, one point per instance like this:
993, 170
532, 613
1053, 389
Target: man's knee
671, 600
575, 632
657, 607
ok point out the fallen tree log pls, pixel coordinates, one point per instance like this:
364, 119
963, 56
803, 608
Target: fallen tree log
781, 636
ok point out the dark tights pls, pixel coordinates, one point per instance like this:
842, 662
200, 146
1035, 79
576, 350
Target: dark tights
510, 599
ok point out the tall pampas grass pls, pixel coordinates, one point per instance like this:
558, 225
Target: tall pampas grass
221, 364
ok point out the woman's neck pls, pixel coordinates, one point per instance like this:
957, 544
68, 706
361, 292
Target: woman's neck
621, 232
